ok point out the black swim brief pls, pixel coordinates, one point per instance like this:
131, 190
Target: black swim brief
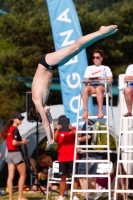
43, 62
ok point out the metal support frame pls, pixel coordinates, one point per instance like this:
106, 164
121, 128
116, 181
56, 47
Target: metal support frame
125, 154
107, 95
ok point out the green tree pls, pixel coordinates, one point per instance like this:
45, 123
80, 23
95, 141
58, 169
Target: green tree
117, 48
25, 36
100, 5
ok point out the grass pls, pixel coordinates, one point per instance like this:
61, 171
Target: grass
40, 196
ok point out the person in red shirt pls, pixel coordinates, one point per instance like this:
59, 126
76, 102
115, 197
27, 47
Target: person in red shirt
66, 142
15, 160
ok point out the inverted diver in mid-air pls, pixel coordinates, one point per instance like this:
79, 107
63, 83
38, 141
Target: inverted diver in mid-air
48, 62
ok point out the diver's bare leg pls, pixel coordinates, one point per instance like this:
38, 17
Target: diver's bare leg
45, 122
64, 55
50, 120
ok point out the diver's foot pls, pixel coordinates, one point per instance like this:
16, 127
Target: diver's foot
108, 30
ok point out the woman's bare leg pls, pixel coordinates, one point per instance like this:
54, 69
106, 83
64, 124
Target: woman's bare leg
83, 184
99, 94
22, 172
11, 172
64, 55
127, 94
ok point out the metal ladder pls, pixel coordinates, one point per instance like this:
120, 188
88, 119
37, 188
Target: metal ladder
107, 95
125, 153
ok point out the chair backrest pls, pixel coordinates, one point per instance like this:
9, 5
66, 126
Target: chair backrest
55, 167
55, 172
104, 168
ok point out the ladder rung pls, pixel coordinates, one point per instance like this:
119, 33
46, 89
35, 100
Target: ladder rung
93, 131
126, 151
125, 176
87, 151
91, 190
127, 132
91, 175
89, 161
125, 161
92, 117
125, 146
92, 146
131, 117
124, 191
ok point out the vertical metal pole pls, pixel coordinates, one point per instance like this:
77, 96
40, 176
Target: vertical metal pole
118, 150
76, 141
37, 135
108, 143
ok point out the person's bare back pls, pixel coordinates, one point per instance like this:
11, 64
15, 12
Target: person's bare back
41, 84
45, 161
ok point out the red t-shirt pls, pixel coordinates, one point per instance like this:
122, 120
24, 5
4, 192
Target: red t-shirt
13, 134
66, 143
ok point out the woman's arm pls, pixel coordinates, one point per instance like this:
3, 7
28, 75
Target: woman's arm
110, 78
128, 78
83, 139
56, 132
19, 143
71, 129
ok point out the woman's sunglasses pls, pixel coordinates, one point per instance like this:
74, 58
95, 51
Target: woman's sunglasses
97, 57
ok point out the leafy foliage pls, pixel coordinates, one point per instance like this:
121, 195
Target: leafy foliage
117, 48
26, 34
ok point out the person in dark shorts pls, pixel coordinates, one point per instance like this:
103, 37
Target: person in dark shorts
14, 159
66, 142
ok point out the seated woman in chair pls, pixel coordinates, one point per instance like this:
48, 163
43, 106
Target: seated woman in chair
96, 72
